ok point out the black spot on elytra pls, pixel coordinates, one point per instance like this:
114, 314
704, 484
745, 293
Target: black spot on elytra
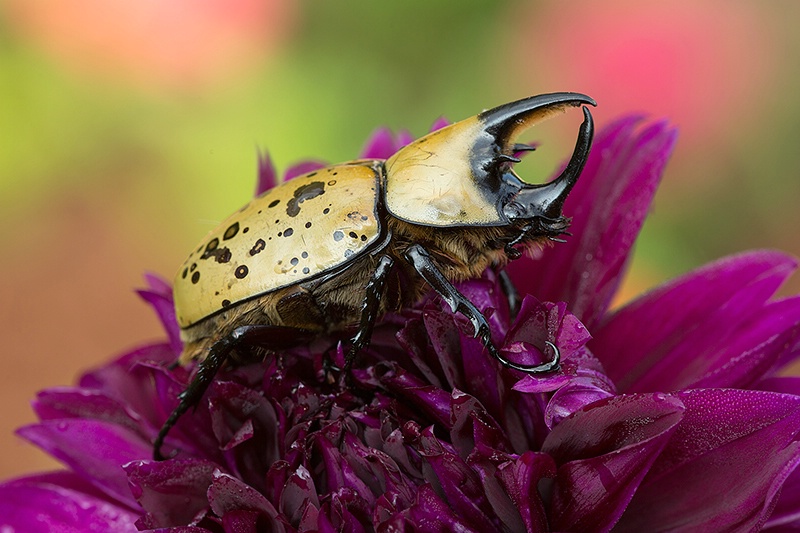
303, 193
195, 277
191, 268
311, 174
226, 303
308, 225
273, 203
220, 255
306, 270
364, 238
353, 235
294, 261
288, 232
326, 211
245, 230
241, 271
348, 253
212, 245
364, 218
258, 247
185, 272
231, 232
304, 255
338, 235
332, 183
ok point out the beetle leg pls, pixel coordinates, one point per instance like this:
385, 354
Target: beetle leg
369, 309
420, 259
272, 336
511, 292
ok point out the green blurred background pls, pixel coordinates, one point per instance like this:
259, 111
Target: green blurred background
128, 128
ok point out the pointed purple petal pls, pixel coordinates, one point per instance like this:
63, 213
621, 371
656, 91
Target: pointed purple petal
158, 284
724, 467
42, 504
459, 483
304, 167
786, 514
608, 206
521, 478
228, 494
664, 340
439, 123
755, 348
172, 492
54, 404
96, 450
267, 176
404, 138
164, 307
430, 513
379, 145
784, 385
603, 453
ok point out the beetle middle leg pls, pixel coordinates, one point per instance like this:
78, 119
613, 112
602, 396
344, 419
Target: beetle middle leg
369, 309
421, 260
269, 335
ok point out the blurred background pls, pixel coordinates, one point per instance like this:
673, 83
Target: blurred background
129, 128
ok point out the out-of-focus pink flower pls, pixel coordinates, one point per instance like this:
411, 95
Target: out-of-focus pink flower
706, 65
176, 45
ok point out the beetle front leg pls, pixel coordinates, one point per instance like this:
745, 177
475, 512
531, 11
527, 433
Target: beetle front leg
273, 336
420, 259
369, 309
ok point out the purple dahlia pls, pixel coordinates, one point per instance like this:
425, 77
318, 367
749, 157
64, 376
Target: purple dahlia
670, 413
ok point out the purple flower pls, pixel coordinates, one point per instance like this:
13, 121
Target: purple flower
669, 414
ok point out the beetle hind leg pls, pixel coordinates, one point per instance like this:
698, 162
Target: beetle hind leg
266, 334
420, 259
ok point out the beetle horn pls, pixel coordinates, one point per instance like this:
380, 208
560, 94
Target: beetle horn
459, 175
547, 200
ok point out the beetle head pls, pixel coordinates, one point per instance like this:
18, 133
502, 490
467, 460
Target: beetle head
461, 175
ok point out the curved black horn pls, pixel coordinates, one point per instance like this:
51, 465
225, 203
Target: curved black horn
505, 122
547, 200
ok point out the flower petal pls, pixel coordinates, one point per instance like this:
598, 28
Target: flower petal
663, 340
172, 492
159, 296
724, 467
521, 478
60, 502
608, 206
267, 176
228, 494
303, 167
93, 449
379, 145
130, 381
67, 402
757, 347
430, 513
458, 482
603, 453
